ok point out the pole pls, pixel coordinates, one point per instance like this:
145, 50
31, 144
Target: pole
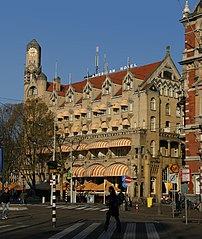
54, 177
104, 195
71, 180
2, 167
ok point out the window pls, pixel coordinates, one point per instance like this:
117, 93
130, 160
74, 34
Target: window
178, 111
106, 88
152, 148
128, 83
178, 128
171, 92
153, 104
116, 110
33, 91
124, 108
167, 109
175, 93
153, 123
167, 126
165, 91
130, 106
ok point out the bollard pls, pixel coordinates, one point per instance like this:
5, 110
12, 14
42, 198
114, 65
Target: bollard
137, 208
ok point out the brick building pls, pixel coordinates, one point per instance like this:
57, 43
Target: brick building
128, 121
192, 90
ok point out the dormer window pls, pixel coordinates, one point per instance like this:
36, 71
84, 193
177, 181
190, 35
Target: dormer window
70, 96
87, 92
128, 83
106, 88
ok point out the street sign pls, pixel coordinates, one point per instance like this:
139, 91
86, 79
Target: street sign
172, 178
174, 168
185, 175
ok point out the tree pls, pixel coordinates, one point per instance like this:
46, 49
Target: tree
36, 141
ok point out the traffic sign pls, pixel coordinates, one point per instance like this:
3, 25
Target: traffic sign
174, 168
69, 176
51, 181
185, 175
172, 178
128, 179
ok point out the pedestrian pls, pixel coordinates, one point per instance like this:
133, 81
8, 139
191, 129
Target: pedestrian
113, 210
5, 199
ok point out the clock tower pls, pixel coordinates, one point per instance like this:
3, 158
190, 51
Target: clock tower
33, 76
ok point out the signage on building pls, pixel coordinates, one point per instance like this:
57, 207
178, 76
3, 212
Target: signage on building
185, 175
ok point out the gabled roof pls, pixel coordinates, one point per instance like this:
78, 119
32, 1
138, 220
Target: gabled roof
141, 72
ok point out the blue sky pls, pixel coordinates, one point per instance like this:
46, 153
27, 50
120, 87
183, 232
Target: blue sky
69, 31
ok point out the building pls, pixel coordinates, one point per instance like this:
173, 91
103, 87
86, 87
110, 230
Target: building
128, 122
192, 90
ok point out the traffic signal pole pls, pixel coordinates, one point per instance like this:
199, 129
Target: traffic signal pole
54, 177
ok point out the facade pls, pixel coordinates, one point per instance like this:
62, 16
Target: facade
192, 90
127, 122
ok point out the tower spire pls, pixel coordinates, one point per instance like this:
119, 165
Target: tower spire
97, 60
186, 10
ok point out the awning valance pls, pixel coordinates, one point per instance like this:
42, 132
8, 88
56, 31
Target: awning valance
124, 103
95, 170
65, 114
116, 123
98, 145
95, 126
79, 147
77, 112
83, 111
104, 125
76, 129
78, 172
85, 128
116, 106
103, 107
119, 143
95, 109
116, 169
126, 122
60, 116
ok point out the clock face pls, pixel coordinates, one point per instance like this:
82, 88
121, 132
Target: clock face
32, 51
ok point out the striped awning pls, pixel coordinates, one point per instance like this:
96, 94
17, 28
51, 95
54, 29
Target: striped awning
119, 143
124, 103
98, 145
85, 128
125, 122
83, 111
95, 126
103, 107
95, 170
95, 109
78, 172
104, 125
78, 147
65, 114
60, 116
76, 128
116, 106
116, 123
116, 169
77, 112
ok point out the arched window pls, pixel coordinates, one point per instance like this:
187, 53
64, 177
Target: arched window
152, 148
171, 92
153, 123
178, 111
167, 109
165, 91
153, 104
32, 91
175, 93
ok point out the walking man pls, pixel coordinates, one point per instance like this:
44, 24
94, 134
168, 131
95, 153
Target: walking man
113, 210
5, 198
